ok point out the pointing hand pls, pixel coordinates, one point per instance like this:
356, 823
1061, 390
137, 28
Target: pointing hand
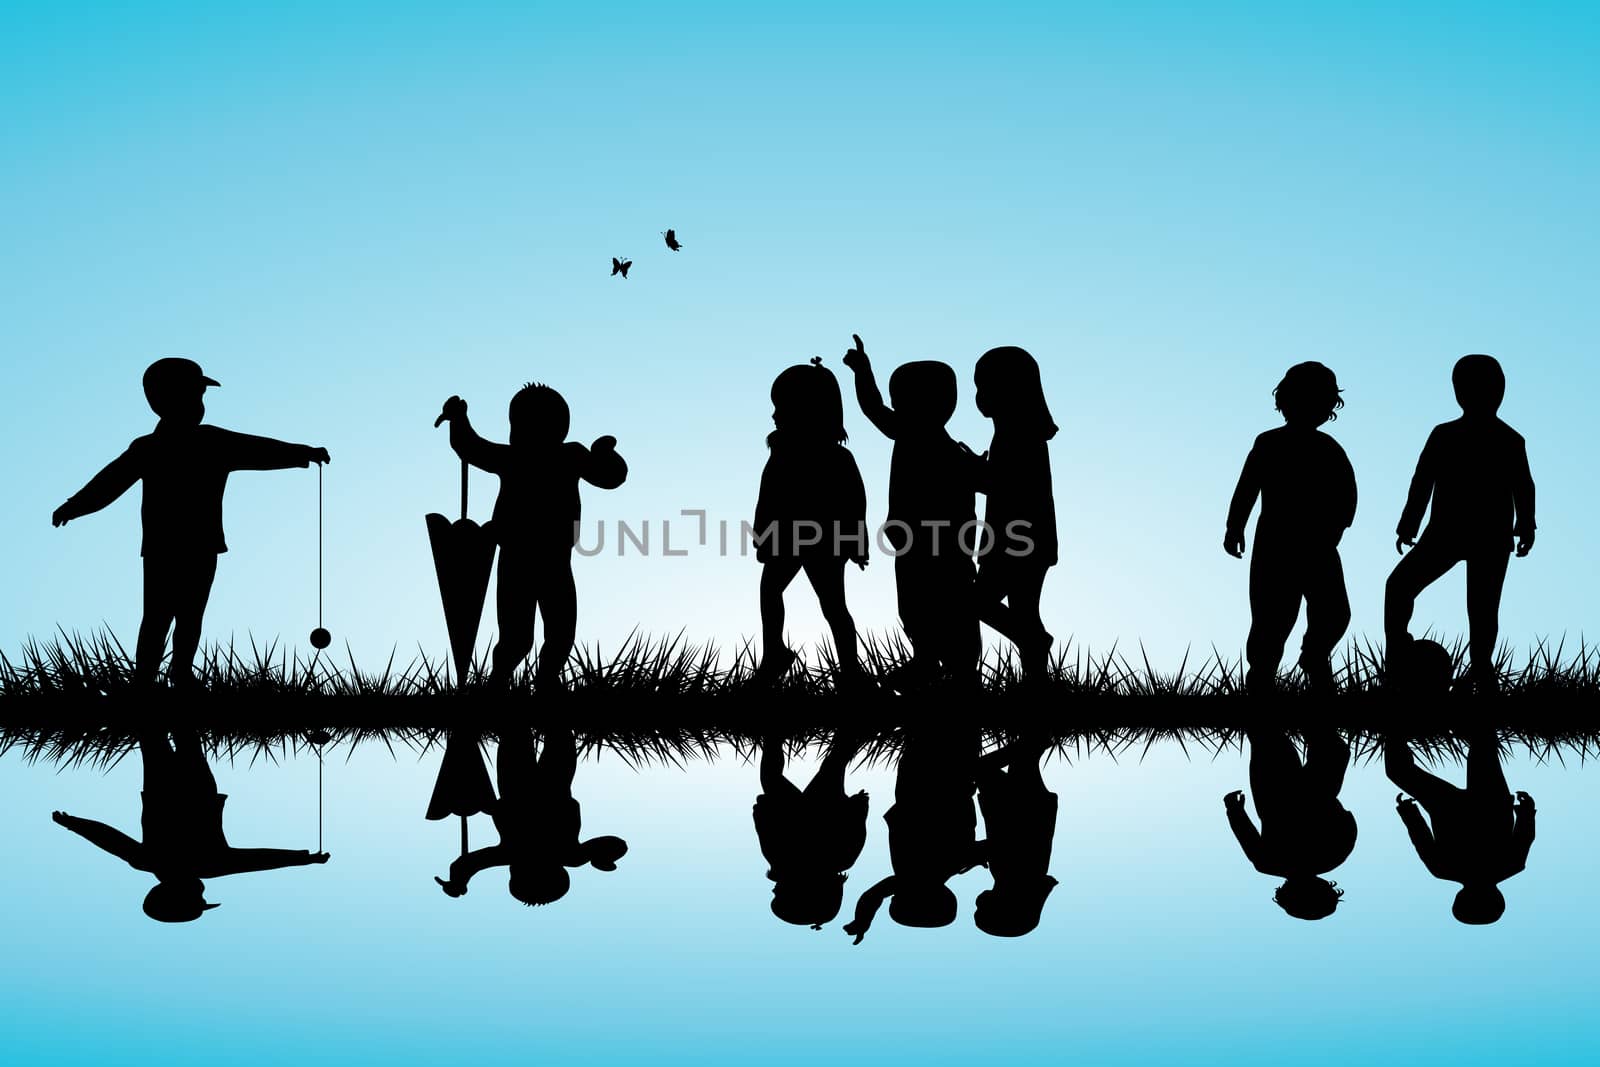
856, 358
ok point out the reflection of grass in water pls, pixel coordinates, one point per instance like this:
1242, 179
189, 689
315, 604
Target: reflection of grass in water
671, 701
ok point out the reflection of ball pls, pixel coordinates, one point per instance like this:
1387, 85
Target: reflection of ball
321, 638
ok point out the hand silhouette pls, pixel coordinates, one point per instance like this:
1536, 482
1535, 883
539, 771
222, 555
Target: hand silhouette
970, 454
1524, 544
59, 517
454, 408
1524, 800
319, 857
856, 359
318, 455
451, 889
1233, 545
1234, 800
856, 929
1403, 801
1408, 542
60, 817
604, 444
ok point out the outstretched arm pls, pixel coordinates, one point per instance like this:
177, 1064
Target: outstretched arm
1421, 492
464, 867
247, 452
867, 395
867, 908
116, 478
104, 837
485, 455
243, 860
600, 465
1244, 498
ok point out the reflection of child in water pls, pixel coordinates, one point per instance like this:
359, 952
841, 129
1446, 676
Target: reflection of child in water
1479, 836
810, 837
932, 831
1019, 820
1305, 831
538, 821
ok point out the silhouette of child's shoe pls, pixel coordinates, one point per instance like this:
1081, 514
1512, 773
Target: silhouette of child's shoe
774, 665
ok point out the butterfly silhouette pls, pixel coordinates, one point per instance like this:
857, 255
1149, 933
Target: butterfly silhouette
620, 266
672, 240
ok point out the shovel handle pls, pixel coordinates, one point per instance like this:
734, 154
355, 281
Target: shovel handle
463, 489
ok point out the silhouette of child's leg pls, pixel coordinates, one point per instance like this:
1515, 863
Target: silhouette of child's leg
775, 578
514, 763
515, 604
1400, 764
830, 775
773, 782
1327, 759
1486, 579
915, 600
1425, 564
1020, 584
1327, 615
1275, 768
558, 763
1486, 777
159, 760
160, 608
827, 581
189, 610
1274, 606
960, 642
558, 604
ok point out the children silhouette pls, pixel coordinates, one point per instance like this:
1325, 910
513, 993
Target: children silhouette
932, 830
538, 821
1305, 831
183, 839
1308, 499
1479, 836
1021, 513
1475, 471
535, 522
932, 481
809, 837
184, 466
1019, 823
811, 515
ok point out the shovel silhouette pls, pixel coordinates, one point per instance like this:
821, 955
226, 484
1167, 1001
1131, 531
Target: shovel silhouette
463, 556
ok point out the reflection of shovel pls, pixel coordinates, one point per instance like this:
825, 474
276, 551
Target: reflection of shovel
463, 555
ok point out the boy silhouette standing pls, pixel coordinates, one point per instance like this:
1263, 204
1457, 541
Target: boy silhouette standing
1308, 499
183, 838
932, 486
184, 466
1475, 472
1479, 836
535, 522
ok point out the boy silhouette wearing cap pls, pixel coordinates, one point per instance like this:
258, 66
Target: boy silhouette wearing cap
1479, 836
184, 466
183, 839
1308, 499
538, 820
1474, 471
535, 522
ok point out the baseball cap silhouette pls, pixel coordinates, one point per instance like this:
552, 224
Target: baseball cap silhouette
174, 372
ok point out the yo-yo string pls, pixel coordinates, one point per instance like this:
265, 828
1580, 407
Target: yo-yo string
319, 551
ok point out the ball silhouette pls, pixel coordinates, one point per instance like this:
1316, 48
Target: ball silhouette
321, 638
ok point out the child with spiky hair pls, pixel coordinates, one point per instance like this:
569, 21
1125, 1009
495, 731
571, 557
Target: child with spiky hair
535, 522
1474, 475
1308, 499
537, 818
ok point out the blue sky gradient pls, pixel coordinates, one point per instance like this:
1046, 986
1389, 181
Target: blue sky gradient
348, 212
